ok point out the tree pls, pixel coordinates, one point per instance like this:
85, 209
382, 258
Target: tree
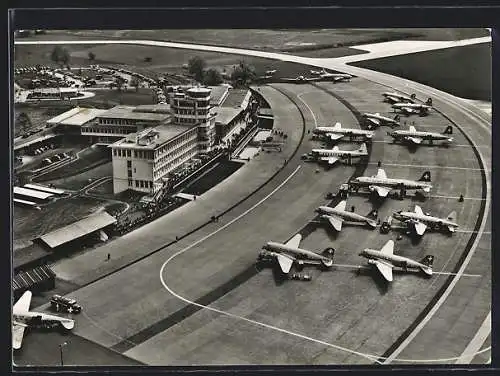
196, 65
212, 77
60, 55
135, 83
243, 74
91, 56
119, 82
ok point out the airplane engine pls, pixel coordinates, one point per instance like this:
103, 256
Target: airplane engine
328, 254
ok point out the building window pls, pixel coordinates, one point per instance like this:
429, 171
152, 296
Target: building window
129, 154
150, 184
134, 170
129, 173
137, 183
129, 164
130, 183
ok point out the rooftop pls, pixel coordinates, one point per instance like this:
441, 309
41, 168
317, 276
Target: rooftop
218, 95
128, 112
226, 114
236, 98
76, 116
157, 136
154, 108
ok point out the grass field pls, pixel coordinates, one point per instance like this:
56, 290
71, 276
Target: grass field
88, 158
77, 182
212, 178
461, 71
30, 223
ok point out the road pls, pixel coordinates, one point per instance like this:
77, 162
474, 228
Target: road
459, 311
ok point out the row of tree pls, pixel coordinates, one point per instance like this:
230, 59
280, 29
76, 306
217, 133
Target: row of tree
242, 74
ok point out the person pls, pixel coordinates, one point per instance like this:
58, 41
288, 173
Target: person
461, 198
379, 163
109, 257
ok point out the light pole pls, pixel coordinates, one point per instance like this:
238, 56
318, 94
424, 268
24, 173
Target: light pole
61, 351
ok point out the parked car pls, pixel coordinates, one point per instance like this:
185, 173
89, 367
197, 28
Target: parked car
62, 304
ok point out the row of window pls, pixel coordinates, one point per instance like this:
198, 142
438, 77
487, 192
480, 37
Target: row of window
188, 154
140, 183
191, 112
116, 130
190, 135
169, 159
118, 121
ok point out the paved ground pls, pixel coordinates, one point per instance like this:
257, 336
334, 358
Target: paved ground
334, 316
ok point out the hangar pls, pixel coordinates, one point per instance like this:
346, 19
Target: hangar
77, 230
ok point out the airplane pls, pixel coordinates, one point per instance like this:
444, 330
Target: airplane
335, 77
337, 215
23, 318
385, 260
396, 97
423, 220
381, 184
331, 156
417, 137
301, 79
270, 72
414, 108
337, 132
289, 253
378, 120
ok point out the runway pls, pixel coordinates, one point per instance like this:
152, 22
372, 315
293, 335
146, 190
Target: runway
340, 317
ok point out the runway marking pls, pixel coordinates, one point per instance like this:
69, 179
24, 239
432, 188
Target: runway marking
473, 232
457, 197
427, 166
258, 323
309, 108
476, 342
437, 145
364, 267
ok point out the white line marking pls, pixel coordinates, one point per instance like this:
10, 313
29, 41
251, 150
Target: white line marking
457, 197
436, 145
427, 166
309, 108
476, 342
363, 267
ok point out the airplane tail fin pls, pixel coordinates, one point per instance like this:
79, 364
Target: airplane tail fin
427, 261
337, 125
448, 130
363, 149
452, 216
429, 102
413, 96
426, 176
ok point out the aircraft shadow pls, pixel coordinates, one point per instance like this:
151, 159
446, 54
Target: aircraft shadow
382, 285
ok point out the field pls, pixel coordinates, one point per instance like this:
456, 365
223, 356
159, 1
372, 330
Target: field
29, 223
212, 177
88, 159
37, 116
461, 71
77, 182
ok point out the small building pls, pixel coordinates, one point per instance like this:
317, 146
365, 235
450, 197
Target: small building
142, 161
75, 118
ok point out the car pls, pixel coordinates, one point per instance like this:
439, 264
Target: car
62, 304
301, 277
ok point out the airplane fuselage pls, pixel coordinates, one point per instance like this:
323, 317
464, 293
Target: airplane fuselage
400, 97
427, 219
343, 131
381, 118
348, 216
338, 153
392, 183
38, 318
277, 248
411, 105
399, 261
423, 135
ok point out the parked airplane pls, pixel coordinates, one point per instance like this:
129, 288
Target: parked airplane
385, 260
337, 132
396, 97
301, 79
334, 77
337, 215
270, 72
417, 137
378, 120
289, 253
423, 220
381, 184
331, 156
22, 318
414, 108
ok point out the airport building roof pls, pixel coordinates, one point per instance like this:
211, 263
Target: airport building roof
77, 229
237, 98
218, 95
226, 114
130, 112
151, 138
32, 193
77, 116
160, 108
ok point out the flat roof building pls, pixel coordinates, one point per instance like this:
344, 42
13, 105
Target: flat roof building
77, 117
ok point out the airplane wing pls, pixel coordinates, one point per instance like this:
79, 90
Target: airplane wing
336, 222
420, 228
17, 335
334, 136
381, 174
415, 140
341, 205
388, 248
295, 241
285, 263
374, 121
330, 160
384, 269
23, 304
382, 191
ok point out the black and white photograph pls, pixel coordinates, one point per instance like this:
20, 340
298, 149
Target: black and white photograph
242, 197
